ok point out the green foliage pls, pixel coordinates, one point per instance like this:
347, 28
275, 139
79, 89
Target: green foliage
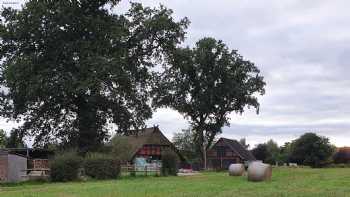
312, 150
185, 143
121, 149
274, 152
169, 164
3, 139
285, 153
268, 152
65, 167
70, 67
15, 140
260, 152
101, 166
205, 84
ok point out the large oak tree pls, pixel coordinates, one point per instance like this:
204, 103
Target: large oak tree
205, 84
72, 67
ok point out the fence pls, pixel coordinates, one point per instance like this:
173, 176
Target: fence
148, 169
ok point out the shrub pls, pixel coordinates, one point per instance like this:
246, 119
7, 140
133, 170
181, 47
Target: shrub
65, 167
169, 164
101, 166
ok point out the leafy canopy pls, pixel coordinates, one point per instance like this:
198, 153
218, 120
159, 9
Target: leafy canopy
312, 150
72, 67
3, 138
207, 83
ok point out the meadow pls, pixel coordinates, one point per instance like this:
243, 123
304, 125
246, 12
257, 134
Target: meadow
330, 182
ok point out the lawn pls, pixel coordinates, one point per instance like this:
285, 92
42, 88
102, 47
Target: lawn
285, 182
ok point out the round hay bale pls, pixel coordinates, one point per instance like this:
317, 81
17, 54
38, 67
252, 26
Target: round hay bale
236, 169
258, 171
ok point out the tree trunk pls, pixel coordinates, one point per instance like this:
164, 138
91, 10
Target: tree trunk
205, 156
203, 150
88, 128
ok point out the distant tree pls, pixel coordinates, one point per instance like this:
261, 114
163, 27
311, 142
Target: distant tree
285, 153
205, 84
3, 138
261, 152
185, 142
312, 150
15, 140
243, 142
273, 152
72, 67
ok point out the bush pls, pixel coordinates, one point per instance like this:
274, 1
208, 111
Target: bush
101, 166
65, 167
169, 164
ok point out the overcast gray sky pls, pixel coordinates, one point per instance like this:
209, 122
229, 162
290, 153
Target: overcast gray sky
300, 47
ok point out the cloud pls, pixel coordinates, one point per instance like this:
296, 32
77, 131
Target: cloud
301, 47
302, 50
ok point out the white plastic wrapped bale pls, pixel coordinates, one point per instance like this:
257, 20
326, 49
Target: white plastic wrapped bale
236, 169
258, 171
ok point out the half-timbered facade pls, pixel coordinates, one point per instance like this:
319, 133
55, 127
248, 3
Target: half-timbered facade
225, 152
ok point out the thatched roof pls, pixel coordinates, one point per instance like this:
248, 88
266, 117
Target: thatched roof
137, 139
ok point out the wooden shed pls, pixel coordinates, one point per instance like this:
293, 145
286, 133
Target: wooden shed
12, 167
225, 152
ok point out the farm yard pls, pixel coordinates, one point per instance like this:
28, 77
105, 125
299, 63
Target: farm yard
285, 182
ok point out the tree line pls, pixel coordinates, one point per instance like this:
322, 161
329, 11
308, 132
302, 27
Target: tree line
309, 149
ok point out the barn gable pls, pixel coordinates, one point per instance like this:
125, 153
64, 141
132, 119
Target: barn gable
226, 151
148, 142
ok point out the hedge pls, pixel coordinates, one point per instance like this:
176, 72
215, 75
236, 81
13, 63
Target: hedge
101, 166
169, 164
65, 167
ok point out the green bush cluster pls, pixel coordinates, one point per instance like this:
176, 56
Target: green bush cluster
65, 167
101, 166
70, 167
169, 164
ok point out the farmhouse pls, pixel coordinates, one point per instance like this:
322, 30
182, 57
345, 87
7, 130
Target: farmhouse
149, 144
225, 152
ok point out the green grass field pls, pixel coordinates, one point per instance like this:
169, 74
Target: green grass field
285, 182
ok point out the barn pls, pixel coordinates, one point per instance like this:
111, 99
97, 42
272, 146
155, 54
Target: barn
225, 152
149, 144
